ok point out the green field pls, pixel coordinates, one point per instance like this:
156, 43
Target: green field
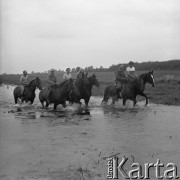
166, 90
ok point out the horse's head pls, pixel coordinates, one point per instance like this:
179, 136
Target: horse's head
38, 83
71, 88
150, 78
93, 80
84, 79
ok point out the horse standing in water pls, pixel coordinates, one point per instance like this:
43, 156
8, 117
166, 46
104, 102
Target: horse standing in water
60, 94
136, 87
84, 87
130, 89
110, 91
30, 91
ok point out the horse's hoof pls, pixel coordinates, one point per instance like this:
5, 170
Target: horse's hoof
19, 109
102, 103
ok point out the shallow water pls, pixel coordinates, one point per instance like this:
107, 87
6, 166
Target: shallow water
42, 144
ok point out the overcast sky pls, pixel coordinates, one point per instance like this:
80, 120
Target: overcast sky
38, 35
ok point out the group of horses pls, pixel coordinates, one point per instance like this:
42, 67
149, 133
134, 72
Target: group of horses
74, 90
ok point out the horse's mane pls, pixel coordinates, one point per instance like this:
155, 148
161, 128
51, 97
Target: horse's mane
142, 75
62, 84
79, 81
31, 82
90, 77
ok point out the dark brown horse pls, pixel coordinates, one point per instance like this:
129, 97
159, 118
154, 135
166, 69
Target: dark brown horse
30, 91
60, 94
84, 86
130, 89
136, 87
110, 91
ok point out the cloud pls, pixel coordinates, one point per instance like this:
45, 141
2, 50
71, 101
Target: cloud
83, 33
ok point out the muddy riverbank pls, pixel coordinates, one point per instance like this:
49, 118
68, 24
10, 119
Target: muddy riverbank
42, 144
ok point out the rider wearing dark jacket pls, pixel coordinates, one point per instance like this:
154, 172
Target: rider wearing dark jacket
120, 75
51, 81
120, 79
24, 81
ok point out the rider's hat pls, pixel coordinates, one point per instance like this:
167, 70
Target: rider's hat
67, 69
52, 70
25, 72
131, 63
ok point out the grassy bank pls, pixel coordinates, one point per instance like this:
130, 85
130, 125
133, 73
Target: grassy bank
167, 93
166, 90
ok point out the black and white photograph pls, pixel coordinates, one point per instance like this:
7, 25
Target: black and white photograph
89, 89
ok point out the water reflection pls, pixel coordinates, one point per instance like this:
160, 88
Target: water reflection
85, 135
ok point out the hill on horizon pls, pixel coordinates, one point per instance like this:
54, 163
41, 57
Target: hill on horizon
155, 65
140, 66
101, 72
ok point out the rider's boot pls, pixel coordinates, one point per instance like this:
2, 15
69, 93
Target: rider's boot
23, 95
49, 97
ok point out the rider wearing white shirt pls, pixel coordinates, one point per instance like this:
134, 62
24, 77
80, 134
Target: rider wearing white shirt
130, 70
67, 75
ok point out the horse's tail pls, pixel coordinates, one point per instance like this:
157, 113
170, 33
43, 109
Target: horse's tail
17, 93
42, 97
106, 94
15, 96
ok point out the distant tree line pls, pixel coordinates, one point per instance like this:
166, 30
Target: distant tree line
144, 66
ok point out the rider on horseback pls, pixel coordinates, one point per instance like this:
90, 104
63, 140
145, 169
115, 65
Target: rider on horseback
67, 74
131, 74
51, 81
80, 74
24, 81
120, 79
130, 70
82, 83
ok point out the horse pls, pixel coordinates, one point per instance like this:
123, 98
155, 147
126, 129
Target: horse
130, 89
60, 94
110, 91
136, 87
30, 91
84, 86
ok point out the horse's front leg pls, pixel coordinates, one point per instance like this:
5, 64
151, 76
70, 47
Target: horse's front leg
55, 106
113, 100
64, 104
86, 101
32, 98
78, 101
47, 104
144, 95
124, 101
134, 100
